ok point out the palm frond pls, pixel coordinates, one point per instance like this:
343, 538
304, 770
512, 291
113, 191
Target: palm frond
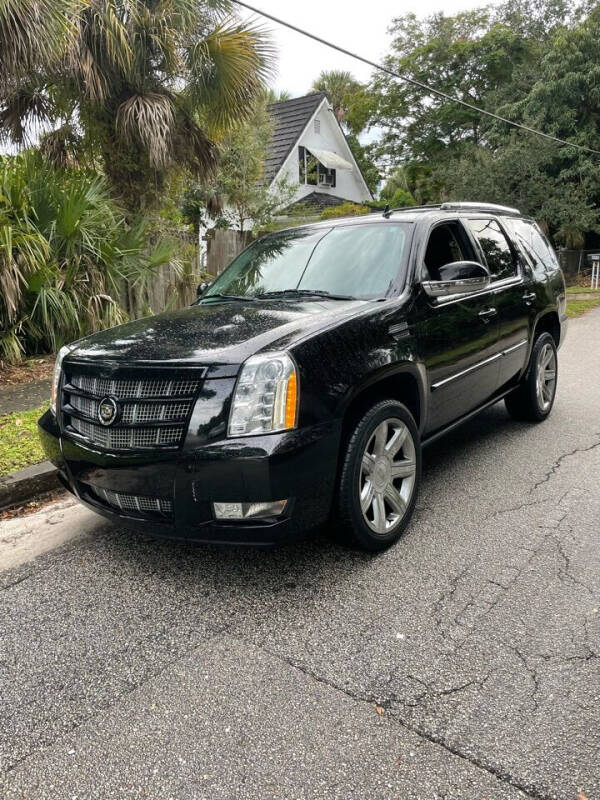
192, 146
34, 33
21, 111
103, 55
148, 120
11, 345
62, 147
228, 69
65, 252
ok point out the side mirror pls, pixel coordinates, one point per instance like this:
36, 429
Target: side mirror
202, 287
460, 277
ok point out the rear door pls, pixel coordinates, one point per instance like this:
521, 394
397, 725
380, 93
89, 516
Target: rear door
514, 294
457, 336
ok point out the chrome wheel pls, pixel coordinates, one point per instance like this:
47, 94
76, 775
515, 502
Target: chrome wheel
387, 476
546, 377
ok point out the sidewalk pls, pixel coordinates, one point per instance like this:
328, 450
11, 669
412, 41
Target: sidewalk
24, 396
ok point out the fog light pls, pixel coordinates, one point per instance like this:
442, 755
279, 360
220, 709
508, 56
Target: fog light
249, 510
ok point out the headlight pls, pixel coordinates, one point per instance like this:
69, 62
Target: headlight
56, 378
266, 396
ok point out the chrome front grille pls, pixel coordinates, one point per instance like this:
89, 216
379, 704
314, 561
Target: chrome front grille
153, 412
128, 389
127, 438
132, 503
136, 412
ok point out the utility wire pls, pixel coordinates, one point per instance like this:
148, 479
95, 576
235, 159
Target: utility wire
419, 84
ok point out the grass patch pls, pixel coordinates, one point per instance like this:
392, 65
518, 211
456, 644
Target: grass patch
582, 290
19, 442
575, 308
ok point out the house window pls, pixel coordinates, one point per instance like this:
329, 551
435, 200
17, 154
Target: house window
317, 126
312, 172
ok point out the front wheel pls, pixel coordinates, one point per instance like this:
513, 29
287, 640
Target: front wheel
533, 399
380, 477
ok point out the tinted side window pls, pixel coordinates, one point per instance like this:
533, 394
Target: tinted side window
536, 245
447, 243
496, 249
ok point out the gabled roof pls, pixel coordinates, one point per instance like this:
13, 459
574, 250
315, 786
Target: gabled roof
290, 118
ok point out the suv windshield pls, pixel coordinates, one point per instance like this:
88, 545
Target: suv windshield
361, 261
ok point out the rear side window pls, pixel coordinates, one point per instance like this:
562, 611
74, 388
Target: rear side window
535, 244
495, 246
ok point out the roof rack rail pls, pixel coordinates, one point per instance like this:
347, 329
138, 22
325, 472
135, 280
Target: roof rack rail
491, 207
389, 211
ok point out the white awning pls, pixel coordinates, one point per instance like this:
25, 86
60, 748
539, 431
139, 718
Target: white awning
331, 160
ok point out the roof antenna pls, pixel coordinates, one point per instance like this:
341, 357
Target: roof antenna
386, 212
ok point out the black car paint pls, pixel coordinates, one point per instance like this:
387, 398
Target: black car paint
342, 349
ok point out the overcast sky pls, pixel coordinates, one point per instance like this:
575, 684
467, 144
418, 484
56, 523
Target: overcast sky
360, 27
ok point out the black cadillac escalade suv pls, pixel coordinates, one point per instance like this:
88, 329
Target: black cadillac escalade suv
304, 382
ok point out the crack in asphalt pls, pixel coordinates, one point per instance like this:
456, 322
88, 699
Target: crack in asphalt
388, 704
565, 571
557, 464
101, 709
434, 693
487, 606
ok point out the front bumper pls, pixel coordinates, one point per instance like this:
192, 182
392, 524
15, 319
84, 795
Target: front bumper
297, 465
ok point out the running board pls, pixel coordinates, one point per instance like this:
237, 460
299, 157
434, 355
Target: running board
457, 423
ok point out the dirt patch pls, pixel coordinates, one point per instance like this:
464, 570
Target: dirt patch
32, 369
32, 506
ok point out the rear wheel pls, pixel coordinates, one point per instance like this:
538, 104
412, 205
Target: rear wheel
533, 399
380, 477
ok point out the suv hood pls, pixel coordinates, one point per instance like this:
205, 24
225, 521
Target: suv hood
221, 335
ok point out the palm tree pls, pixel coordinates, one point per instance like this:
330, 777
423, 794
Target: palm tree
274, 96
339, 86
145, 85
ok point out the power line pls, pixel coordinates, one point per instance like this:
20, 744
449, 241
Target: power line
419, 84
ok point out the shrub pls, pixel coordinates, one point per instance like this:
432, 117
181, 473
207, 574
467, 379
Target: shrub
65, 253
345, 210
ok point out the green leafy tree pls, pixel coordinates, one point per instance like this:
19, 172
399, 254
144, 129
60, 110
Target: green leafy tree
531, 61
364, 159
470, 56
396, 192
238, 194
148, 86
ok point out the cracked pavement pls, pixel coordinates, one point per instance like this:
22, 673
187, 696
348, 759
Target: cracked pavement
462, 663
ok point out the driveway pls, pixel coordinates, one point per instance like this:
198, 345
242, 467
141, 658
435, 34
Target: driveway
463, 663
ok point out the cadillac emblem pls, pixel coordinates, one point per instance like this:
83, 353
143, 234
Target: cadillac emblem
108, 411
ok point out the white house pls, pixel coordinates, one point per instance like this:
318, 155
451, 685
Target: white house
309, 149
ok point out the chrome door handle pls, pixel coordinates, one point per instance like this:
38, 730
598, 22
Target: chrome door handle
529, 298
487, 314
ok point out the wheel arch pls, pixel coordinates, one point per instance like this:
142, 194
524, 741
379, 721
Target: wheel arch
548, 322
405, 383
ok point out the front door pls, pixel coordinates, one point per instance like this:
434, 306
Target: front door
457, 336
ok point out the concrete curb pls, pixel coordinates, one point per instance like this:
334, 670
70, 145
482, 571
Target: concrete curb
26, 484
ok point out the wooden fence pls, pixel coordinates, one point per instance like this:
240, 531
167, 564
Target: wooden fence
222, 247
169, 287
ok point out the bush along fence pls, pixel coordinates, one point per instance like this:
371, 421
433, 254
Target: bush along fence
71, 263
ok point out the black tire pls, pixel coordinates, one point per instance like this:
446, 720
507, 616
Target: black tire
354, 528
526, 403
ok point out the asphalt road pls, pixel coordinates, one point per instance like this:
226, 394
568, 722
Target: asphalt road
463, 663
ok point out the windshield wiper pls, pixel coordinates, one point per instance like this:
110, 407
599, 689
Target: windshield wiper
305, 293
220, 296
